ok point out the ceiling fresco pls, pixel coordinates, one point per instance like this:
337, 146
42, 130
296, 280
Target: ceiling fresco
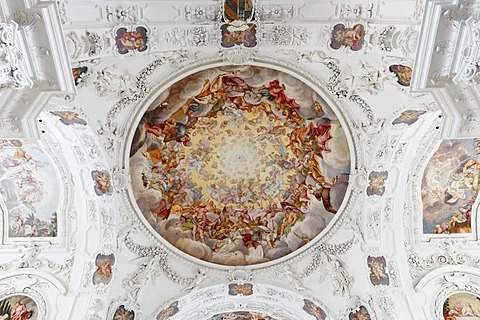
450, 187
239, 160
462, 305
18, 307
239, 165
29, 188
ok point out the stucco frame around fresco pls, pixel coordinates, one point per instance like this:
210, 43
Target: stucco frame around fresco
158, 76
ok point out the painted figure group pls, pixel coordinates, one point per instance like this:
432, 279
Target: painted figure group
248, 213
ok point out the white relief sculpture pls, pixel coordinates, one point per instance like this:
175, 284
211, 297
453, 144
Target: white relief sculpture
238, 55
355, 11
293, 279
13, 72
121, 14
110, 83
86, 46
200, 14
26, 19
197, 37
287, 35
342, 282
276, 12
197, 280
367, 79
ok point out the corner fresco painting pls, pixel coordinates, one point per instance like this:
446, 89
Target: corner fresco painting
239, 165
18, 307
168, 312
378, 272
29, 188
361, 314
241, 315
352, 38
460, 306
104, 264
314, 310
122, 313
450, 187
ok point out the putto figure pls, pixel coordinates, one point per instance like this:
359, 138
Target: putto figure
103, 185
378, 274
69, 117
403, 73
352, 38
131, 40
104, 264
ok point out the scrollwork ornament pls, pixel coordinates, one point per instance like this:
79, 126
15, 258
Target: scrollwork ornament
119, 13
196, 37
451, 254
276, 12
333, 87
387, 305
27, 19
159, 257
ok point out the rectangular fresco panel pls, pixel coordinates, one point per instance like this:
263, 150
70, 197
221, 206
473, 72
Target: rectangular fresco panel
450, 187
29, 189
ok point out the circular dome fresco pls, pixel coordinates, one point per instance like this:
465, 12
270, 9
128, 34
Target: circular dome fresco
239, 165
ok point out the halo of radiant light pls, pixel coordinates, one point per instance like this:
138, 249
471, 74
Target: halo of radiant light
239, 166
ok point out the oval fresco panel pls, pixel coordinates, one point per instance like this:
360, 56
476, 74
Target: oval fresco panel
462, 305
18, 307
239, 165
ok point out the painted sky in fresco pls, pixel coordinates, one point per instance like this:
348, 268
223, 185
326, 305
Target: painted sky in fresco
450, 186
239, 165
30, 188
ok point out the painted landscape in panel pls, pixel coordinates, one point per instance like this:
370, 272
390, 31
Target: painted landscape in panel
239, 165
